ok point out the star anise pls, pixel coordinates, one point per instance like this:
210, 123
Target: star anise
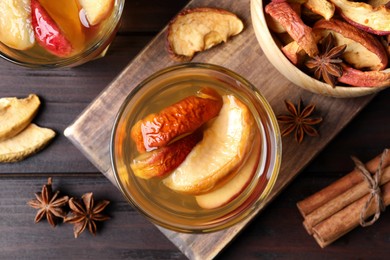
48, 204
86, 214
327, 64
299, 120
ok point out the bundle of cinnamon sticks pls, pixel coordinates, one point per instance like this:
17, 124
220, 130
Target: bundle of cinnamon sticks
337, 209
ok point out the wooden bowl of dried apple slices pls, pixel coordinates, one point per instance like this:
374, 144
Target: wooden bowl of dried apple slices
325, 50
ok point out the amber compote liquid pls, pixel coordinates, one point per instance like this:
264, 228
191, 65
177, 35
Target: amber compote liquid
86, 41
172, 209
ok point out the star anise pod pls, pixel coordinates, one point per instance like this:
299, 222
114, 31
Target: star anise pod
49, 205
86, 213
299, 120
326, 64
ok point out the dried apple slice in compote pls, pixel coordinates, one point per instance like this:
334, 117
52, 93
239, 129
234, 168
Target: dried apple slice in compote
15, 24
183, 117
224, 147
97, 10
159, 162
235, 186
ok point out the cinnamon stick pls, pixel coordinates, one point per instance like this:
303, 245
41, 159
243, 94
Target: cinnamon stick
318, 199
341, 201
346, 219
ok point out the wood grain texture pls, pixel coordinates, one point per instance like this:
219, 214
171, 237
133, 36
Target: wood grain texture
243, 55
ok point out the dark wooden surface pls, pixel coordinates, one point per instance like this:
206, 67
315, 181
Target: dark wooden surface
276, 233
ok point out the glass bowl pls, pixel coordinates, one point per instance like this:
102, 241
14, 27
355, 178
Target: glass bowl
94, 43
167, 208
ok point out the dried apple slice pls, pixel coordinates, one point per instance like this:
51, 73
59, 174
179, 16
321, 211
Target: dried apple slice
290, 20
158, 163
375, 20
47, 33
183, 117
32, 139
294, 52
322, 7
363, 51
235, 186
16, 114
199, 29
376, 3
16, 30
224, 147
360, 78
97, 10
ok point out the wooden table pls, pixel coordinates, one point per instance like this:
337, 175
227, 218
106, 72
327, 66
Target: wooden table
275, 233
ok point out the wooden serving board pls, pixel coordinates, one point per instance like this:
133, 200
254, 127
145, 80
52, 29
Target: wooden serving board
92, 129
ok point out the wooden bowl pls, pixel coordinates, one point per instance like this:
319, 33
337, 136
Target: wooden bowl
290, 71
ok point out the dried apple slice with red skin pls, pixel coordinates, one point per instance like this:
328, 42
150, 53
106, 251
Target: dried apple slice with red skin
183, 117
375, 20
47, 32
160, 162
360, 78
292, 22
363, 38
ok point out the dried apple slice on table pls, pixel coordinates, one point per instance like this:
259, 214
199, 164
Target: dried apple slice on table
363, 51
375, 20
183, 117
199, 29
16, 30
234, 187
16, 114
159, 162
97, 10
223, 149
29, 141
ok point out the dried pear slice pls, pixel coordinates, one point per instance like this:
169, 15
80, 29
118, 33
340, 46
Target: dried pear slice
16, 114
199, 29
29, 141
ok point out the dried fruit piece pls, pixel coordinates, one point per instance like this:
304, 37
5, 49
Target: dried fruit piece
199, 29
360, 78
290, 20
183, 117
97, 10
294, 52
235, 186
47, 32
29, 141
15, 24
364, 51
224, 147
16, 114
67, 16
322, 7
375, 20
162, 161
